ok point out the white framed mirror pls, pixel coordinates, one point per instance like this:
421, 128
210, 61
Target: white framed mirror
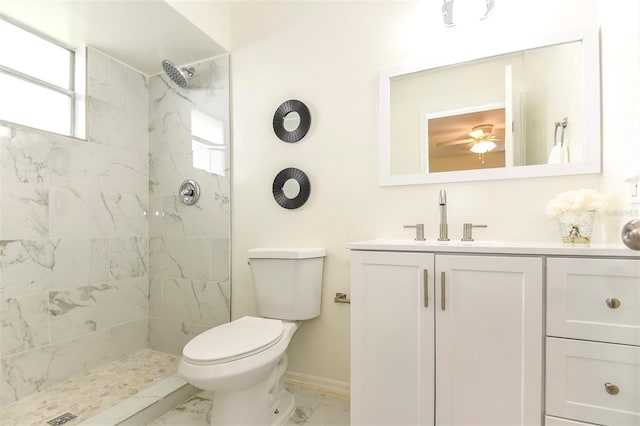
528, 108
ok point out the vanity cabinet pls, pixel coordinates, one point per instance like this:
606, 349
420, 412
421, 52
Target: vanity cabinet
446, 339
593, 341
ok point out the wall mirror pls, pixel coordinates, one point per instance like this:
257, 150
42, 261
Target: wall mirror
291, 188
524, 110
291, 121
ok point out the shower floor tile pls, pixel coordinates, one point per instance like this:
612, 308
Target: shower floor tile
92, 392
312, 409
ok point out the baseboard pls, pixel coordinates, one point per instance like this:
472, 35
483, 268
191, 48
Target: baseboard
317, 384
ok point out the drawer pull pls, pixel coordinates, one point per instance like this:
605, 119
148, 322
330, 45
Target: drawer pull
613, 303
611, 388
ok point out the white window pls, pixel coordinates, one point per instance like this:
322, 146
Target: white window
207, 143
36, 81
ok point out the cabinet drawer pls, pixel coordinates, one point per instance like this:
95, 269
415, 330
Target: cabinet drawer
594, 299
576, 377
556, 421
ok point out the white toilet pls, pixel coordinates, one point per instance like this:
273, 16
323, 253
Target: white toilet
244, 361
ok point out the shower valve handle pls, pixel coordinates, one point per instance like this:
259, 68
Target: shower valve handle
189, 192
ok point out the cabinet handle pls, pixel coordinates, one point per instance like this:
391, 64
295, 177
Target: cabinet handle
611, 388
426, 288
613, 303
443, 291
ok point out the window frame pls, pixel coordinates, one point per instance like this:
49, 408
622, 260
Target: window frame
70, 92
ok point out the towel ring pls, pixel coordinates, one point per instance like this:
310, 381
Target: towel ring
562, 123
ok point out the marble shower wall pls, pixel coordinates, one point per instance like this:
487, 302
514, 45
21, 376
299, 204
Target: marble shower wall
74, 238
189, 245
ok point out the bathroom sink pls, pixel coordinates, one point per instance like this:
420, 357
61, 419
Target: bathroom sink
481, 243
452, 243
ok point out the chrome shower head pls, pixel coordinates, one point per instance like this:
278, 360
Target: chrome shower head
179, 76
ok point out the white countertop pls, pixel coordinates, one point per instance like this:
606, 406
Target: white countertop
498, 247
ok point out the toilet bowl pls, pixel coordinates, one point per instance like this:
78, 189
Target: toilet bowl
244, 361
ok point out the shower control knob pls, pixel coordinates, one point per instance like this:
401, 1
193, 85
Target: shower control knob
189, 192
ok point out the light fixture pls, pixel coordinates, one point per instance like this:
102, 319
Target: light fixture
447, 11
481, 148
490, 5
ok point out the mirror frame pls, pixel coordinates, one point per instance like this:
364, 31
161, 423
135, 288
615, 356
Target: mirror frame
278, 188
591, 126
295, 135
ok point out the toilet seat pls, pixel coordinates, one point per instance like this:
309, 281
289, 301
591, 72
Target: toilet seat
234, 340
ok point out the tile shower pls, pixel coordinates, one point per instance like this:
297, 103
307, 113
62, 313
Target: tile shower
189, 245
98, 259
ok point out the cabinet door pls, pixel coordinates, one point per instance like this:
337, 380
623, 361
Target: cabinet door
594, 299
489, 340
391, 338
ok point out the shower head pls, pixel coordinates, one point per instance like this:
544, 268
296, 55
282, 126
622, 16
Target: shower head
179, 76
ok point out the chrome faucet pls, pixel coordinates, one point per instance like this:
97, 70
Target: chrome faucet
444, 228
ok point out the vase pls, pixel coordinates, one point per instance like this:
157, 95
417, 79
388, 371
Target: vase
576, 226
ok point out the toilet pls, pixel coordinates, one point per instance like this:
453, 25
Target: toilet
244, 361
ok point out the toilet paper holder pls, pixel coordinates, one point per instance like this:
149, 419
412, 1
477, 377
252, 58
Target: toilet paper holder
341, 298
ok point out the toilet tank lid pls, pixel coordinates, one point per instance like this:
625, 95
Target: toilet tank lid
286, 253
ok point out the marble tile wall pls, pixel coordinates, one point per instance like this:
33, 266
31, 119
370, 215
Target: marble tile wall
189, 245
74, 255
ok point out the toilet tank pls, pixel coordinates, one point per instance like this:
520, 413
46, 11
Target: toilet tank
287, 282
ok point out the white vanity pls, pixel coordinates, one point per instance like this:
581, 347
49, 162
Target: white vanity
494, 334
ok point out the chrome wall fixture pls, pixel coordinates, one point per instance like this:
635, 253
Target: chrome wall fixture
179, 76
341, 298
447, 11
189, 192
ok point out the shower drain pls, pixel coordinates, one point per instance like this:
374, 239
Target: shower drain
62, 419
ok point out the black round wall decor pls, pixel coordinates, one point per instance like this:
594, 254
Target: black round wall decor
278, 188
291, 136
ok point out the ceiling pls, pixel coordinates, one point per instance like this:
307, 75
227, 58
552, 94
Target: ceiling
449, 136
139, 33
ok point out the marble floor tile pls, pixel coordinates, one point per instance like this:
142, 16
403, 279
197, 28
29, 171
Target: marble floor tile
90, 393
312, 409
140, 377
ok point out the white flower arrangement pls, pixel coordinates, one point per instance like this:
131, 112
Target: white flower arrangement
575, 202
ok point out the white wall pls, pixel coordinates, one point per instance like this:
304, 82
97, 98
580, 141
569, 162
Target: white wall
212, 17
329, 54
556, 73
